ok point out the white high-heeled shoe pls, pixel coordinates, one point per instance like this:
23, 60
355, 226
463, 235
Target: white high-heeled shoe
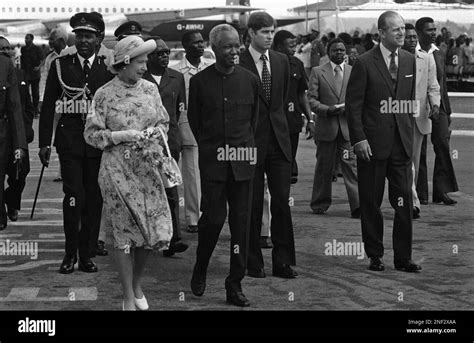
123, 307
141, 304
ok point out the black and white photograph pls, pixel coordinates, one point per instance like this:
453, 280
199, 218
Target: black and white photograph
263, 166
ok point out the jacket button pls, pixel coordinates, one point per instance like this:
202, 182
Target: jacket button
225, 99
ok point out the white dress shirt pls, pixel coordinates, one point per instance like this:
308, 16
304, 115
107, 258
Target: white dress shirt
387, 55
258, 62
82, 59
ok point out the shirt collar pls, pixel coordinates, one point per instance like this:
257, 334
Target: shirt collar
256, 55
81, 60
333, 65
385, 52
185, 64
432, 48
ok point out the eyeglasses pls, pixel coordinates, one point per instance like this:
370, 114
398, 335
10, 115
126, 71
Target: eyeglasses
161, 53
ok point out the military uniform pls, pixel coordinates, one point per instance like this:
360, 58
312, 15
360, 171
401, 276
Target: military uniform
12, 131
16, 181
80, 162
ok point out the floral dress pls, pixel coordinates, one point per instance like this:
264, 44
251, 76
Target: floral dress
135, 205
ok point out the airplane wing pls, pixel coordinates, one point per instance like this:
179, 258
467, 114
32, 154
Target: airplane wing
149, 20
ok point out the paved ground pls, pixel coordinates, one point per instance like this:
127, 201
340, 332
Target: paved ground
443, 241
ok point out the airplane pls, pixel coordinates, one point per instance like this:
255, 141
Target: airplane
31, 16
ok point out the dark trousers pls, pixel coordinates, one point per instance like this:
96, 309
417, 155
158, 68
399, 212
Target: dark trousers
278, 171
16, 186
422, 182
398, 170
35, 93
214, 200
82, 204
173, 202
444, 179
5, 157
294, 138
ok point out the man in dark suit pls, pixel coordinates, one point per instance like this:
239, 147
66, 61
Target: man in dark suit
380, 105
327, 95
31, 58
222, 114
71, 85
16, 175
12, 130
171, 86
444, 178
273, 143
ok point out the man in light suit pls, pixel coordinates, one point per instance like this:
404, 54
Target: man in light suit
428, 98
327, 94
381, 131
274, 158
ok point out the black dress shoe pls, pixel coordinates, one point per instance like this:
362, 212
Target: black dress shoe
12, 214
198, 282
416, 213
265, 242
237, 299
319, 211
376, 264
408, 267
256, 273
284, 271
87, 265
294, 179
423, 201
356, 213
3, 226
175, 247
101, 250
444, 198
67, 266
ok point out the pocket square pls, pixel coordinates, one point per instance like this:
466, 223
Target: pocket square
411, 75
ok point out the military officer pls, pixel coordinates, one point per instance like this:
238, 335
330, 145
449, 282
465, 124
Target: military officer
12, 130
71, 85
129, 28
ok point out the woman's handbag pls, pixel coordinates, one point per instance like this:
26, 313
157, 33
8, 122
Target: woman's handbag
170, 173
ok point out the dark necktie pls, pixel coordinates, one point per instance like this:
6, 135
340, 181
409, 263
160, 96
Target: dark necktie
266, 78
87, 69
338, 79
393, 68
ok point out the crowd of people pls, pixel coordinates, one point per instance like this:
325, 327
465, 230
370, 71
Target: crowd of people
125, 116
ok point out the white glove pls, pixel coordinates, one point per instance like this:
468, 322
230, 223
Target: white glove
126, 136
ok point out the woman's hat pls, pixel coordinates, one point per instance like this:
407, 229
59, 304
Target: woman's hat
130, 47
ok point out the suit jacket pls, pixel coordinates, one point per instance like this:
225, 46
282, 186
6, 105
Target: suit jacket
440, 60
272, 113
10, 107
298, 85
173, 96
322, 94
27, 107
69, 138
369, 87
223, 112
427, 90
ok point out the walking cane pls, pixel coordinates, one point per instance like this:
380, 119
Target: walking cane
37, 191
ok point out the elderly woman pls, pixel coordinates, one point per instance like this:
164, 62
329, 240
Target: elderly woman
124, 121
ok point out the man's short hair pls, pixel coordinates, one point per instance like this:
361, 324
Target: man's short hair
420, 23
30, 35
382, 22
257, 20
334, 41
59, 33
215, 34
281, 36
187, 36
409, 26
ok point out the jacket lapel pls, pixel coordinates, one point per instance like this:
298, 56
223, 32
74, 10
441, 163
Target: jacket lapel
76, 70
345, 81
403, 70
382, 68
165, 81
329, 76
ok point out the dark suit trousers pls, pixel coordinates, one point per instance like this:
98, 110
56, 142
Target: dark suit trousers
35, 93
5, 156
444, 179
278, 171
215, 197
173, 202
294, 138
82, 204
422, 182
15, 187
398, 169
